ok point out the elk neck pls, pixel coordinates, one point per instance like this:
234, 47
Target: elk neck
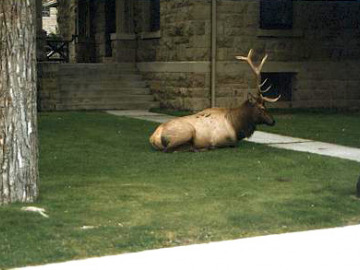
241, 118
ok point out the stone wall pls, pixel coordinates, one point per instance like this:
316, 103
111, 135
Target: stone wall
175, 61
330, 43
48, 91
98, 30
321, 32
50, 23
179, 85
322, 50
124, 47
147, 41
66, 23
185, 33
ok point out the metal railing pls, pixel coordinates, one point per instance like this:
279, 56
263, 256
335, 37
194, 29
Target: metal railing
57, 49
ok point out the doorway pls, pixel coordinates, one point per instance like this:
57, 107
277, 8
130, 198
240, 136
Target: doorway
110, 25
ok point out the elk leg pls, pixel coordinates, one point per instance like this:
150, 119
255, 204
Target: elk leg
176, 136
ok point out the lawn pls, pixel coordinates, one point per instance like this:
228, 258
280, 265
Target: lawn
327, 126
107, 192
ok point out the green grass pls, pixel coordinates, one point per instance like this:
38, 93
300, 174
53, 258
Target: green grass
99, 170
328, 126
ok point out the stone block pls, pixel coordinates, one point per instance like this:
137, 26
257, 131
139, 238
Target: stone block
194, 104
202, 11
225, 41
199, 27
352, 89
336, 103
302, 95
337, 93
235, 90
353, 104
229, 102
232, 7
155, 86
200, 42
197, 54
231, 78
190, 92
196, 80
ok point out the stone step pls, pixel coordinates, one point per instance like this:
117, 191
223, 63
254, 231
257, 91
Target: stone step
86, 70
106, 99
102, 86
106, 92
111, 106
100, 66
108, 60
96, 76
98, 85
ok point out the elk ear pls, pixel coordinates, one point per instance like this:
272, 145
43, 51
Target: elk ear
252, 99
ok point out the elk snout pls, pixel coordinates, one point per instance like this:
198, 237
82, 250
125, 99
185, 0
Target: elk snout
272, 123
268, 120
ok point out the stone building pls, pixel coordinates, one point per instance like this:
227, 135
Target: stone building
49, 17
185, 50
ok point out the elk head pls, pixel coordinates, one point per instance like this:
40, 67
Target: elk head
259, 113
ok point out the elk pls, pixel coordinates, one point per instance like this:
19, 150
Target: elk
217, 127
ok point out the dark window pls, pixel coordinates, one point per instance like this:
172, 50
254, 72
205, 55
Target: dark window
85, 12
155, 15
110, 25
276, 14
281, 82
83, 19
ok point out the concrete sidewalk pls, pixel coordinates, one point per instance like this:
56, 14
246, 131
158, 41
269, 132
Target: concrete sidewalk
330, 249
273, 140
303, 145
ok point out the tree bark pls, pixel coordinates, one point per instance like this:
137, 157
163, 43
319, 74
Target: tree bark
18, 115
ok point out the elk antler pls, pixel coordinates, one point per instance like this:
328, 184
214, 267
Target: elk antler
257, 72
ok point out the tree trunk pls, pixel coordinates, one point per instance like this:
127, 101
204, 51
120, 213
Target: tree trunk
18, 115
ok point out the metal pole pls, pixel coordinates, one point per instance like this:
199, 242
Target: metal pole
213, 53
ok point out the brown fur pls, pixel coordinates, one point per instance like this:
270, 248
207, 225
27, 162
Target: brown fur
211, 128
